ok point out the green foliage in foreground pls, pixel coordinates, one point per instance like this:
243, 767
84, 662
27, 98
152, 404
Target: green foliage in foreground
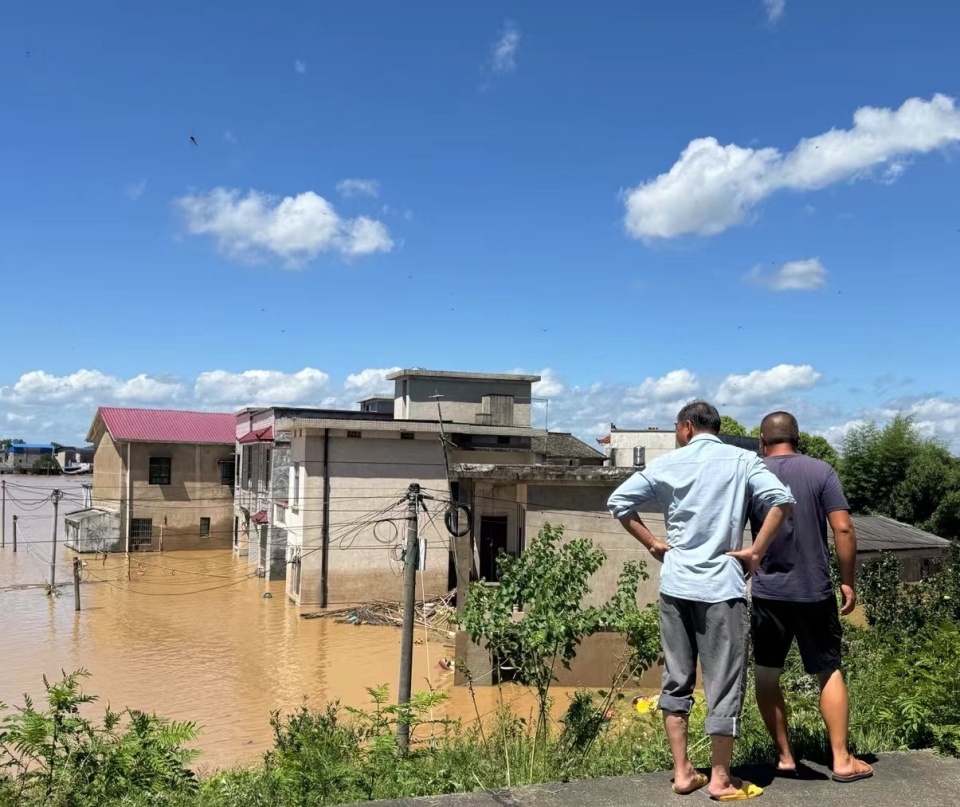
901, 696
903, 673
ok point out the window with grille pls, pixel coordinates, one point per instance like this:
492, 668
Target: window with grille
160, 468
204, 527
141, 534
227, 472
355, 435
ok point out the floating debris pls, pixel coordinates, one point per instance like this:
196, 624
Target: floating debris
435, 614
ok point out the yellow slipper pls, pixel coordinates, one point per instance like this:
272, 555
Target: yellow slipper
746, 791
699, 782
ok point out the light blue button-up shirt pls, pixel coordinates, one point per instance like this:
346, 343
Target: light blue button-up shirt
704, 490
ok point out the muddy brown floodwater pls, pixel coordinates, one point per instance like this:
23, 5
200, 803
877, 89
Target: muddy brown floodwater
191, 637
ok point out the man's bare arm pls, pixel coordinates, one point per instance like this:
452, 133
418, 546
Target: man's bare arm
633, 524
845, 539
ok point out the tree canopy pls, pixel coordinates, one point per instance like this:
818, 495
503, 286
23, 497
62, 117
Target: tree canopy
896, 472
729, 425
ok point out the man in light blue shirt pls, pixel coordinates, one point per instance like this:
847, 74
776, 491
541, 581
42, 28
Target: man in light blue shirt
704, 490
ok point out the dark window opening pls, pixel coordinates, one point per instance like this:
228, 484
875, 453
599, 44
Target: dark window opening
160, 468
204, 527
355, 435
503, 440
406, 435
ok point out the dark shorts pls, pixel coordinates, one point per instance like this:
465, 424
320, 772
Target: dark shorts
815, 625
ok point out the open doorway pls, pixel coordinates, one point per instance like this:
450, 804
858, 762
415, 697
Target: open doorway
493, 540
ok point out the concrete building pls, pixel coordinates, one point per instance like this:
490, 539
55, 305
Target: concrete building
919, 553
21, 456
74, 459
634, 448
164, 477
263, 480
93, 530
465, 438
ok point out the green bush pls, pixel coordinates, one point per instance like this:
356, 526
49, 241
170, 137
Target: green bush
58, 758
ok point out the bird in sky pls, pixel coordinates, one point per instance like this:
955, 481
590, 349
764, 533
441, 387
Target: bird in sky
194, 140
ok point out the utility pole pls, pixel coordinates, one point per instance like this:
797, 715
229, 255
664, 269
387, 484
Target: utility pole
14, 534
57, 494
77, 566
3, 516
414, 500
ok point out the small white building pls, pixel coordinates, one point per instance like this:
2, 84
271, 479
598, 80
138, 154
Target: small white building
635, 448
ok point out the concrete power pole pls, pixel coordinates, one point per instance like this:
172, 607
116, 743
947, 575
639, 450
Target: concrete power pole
411, 560
77, 569
57, 494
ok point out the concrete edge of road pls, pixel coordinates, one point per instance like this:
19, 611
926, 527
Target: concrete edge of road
916, 778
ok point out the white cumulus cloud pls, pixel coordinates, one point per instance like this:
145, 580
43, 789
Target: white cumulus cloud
806, 275
371, 381
358, 187
300, 67
712, 187
296, 229
308, 387
774, 10
549, 385
39, 387
674, 386
762, 385
503, 52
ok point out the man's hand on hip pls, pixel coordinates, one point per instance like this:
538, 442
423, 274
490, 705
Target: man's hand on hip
749, 559
659, 549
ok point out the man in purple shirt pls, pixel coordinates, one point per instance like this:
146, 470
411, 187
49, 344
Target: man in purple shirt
793, 596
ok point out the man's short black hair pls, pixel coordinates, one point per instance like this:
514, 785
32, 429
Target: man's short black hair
778, 428
703, 416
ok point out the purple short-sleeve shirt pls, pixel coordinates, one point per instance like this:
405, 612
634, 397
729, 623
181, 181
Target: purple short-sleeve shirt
797, 564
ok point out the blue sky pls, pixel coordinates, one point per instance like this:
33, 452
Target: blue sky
645, 204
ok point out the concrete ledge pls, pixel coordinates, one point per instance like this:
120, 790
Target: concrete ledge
921, 779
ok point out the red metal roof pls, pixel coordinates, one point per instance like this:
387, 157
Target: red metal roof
169, 425
260, 517
259, 436
604, 440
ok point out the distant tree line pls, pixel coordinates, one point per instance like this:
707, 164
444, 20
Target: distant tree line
891, 471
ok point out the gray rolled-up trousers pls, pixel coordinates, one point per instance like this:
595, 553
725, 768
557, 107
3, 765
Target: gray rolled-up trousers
717, 633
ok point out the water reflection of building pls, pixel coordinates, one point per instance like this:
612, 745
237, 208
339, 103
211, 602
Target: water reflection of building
162, 479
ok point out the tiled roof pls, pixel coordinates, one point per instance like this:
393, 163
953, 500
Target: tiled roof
563, 445
167, 425
881, 534
258, 436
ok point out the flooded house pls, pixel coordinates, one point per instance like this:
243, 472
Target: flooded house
162, 479
489, 477
262, 497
